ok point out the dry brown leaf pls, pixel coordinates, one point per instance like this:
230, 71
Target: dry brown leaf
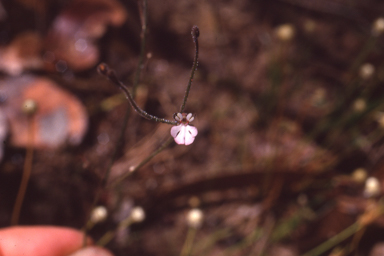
22, 53
60, 117
73, 34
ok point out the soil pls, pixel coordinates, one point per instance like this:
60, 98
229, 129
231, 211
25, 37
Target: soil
287, 116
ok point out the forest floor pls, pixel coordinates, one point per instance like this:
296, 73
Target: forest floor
288, 100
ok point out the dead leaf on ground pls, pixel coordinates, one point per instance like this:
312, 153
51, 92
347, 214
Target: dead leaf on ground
22, 53
74, 31
60, 117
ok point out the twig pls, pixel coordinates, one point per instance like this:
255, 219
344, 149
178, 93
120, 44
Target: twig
27, 169
146, 160
195, 34
144, 20
187, 247
111, 75
103, 182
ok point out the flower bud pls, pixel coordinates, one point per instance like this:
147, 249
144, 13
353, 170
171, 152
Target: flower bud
99, 214
285, 32
372, 187
137, 214
29, 106
378, 27
359, 105
367, 70
195, 218
359, 175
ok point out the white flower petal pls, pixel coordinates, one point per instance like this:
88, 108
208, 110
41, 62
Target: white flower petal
184, 134
189, 116
180, 138
179, 117
189, 140
190, 134
192, 130
175, 130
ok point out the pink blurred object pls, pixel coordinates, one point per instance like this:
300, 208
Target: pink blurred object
60, 117
71, 39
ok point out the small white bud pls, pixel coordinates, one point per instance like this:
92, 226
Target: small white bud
195, 218
359, 105
359, 175
319, 96
309, 26
137, 214
378, 27
379, 116
99, 214
372, 187
29, 107
194, 202
367, 70
285, 32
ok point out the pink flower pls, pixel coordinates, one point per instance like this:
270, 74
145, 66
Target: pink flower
184, 133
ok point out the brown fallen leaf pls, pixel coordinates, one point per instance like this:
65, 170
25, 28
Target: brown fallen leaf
74, 31
59, 118
40, 6
22, 53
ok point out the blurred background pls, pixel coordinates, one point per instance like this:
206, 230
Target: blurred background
288, 100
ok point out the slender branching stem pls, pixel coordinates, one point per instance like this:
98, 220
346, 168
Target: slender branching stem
144, 21
143, 162
104, 180
109, 73
26, 173
188, 243
195, 34
108, 236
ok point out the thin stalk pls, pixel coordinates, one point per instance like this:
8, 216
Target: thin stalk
144, 22
27, 169
108, 236
146, 160
103, 182
187, 247
327, 245
195, 34
111, 75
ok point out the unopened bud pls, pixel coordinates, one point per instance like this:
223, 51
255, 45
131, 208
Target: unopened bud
285, 32
359, 105
99, 214
367, 70
309, 26
195, 218
29, 107
359, 175
137, 214
372, 187
194, 202
380, 118
378, 27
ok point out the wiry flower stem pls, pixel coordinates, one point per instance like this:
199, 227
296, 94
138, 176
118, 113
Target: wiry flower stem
195, 34
109, 73
143, 162
142, 47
